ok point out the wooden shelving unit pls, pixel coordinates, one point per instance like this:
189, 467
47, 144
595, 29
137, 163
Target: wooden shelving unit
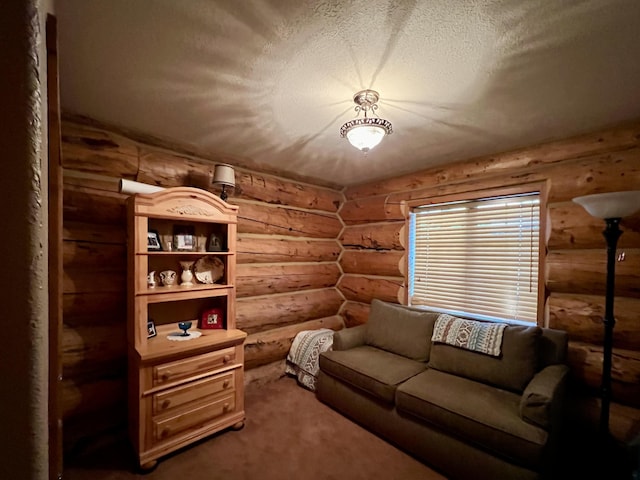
181, 391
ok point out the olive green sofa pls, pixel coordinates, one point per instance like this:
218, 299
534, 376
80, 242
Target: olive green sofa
466, 414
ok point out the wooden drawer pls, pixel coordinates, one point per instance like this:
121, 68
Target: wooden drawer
193, 391
188, 367
166, 427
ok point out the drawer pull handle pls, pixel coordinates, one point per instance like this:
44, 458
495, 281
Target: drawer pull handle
226, 358
226, 383
165, 433
165, 404
166, 376
226, 407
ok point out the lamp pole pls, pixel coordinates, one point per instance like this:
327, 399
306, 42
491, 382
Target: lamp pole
611, 207
611, 234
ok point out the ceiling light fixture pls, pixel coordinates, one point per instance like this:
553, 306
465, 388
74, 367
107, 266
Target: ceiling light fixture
367, 132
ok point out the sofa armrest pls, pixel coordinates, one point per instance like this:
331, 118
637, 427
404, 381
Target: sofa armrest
542, 399
349, 337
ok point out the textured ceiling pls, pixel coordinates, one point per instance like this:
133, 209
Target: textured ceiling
270, 82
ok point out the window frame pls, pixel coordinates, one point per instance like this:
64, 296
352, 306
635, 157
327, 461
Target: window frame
541, 187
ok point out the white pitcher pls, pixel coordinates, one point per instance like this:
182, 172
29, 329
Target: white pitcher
151, 279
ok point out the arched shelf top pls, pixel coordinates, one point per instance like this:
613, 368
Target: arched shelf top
187, 203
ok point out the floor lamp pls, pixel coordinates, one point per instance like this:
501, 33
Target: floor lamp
611, 207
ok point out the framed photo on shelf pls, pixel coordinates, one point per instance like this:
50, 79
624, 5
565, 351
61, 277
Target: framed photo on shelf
153, 241
215, 243
151, 329
212, 318
184, 238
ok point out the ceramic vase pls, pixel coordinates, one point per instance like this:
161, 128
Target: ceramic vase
186, 277
168, 277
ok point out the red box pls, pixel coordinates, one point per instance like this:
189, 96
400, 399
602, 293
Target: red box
212, 318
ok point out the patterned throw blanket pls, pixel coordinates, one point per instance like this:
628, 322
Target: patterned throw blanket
483, 337
304, 354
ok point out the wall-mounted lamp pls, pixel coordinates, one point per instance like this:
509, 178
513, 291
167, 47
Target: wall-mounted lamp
224, 175
611, 207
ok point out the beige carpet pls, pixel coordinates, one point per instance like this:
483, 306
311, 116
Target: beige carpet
289, 434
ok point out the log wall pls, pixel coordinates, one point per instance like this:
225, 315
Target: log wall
287, 271
575, 258
310, 256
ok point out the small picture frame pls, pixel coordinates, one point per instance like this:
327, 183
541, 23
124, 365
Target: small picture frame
184, 239
212, 318
153, 241
215, 243
151, 329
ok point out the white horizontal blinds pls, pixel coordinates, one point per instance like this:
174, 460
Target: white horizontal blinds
478, 257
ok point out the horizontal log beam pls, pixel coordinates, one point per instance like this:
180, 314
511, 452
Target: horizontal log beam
96, 150
364, 289
270, 372
372, 209
258, 279
275, 250
94, 305
166, 169
93, 256
355, 313
609, 172
573, 227
273, 345
389, 263
379, 236
255, 314
618, 138
272, 220
76, 178
623, 420
81, 432
82, 281
93, 206
392, 206
93, 396
581, 316
274, 190
94, 232
91, 347
584, 272
585, 361
162, 145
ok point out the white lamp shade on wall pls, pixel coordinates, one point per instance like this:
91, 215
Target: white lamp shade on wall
611, 205
224, 175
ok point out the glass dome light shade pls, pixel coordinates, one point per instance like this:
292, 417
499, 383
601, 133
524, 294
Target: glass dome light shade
610, 205
365, 137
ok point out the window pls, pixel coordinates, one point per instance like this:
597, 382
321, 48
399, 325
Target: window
477, 257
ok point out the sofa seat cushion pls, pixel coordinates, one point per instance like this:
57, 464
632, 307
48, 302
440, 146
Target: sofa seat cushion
477, 413
371, 369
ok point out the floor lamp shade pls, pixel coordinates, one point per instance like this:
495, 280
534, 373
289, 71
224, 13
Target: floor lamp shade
611, 207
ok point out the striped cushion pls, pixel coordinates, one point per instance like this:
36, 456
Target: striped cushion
483, 337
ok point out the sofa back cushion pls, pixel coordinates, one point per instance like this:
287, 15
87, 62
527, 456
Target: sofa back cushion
400, 330
512, 370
